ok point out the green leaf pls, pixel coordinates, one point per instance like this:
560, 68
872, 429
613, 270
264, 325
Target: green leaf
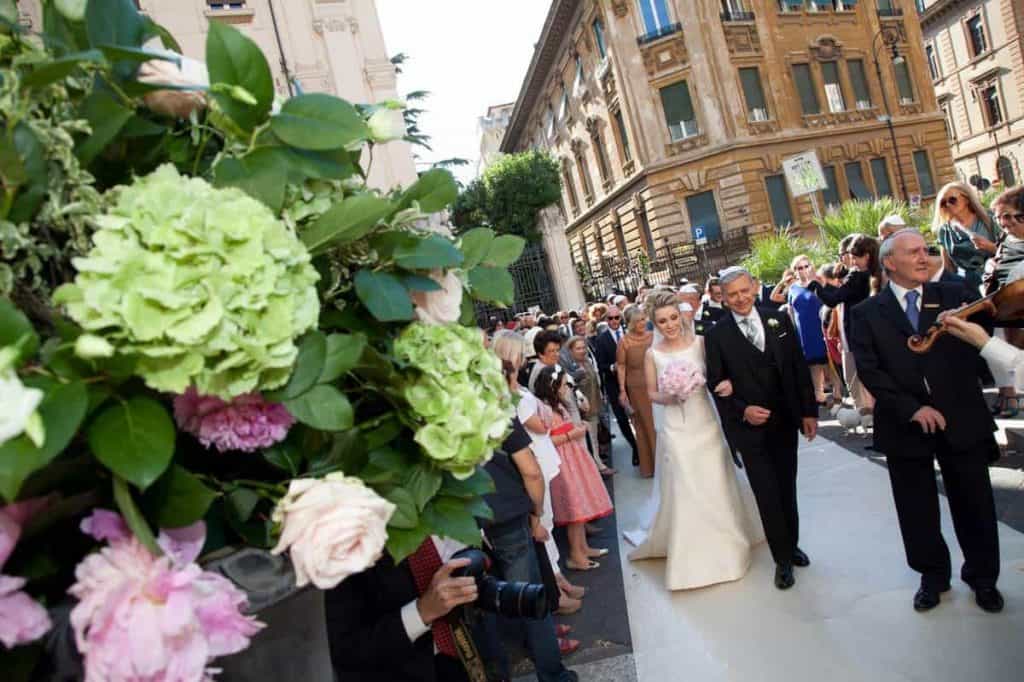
16, 330
467, 313
406, 514
384, 296
327, 165
133, 516
319, 121
308, 366
449, 517
432, 251
348, 453
106, 117
284, 456
115, 22
343, 353
385, 465
505, 250
477, 485
387, 431
475, 245
72, 9
434, 190
402, 542
33, 170
261, 174
234, 59
55, 69
62, 412
241, 503
423, 482
177, 499
345, 222
494, 285
134, 439
155, 30
420, 283
9, 12
322, 407
136, 54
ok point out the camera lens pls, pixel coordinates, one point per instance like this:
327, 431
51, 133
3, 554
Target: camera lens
511, 598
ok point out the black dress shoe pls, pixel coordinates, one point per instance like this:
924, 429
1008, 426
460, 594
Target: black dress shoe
800, 559
636, 459
784, 576
989, 599
927, 598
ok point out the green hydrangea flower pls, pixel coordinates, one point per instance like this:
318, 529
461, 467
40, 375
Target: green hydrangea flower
457, 394
202, 285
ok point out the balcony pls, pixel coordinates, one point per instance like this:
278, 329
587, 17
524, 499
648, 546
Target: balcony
651, 36
730, 15
889, 12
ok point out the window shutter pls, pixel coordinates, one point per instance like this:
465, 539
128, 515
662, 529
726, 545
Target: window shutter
805, 87
752, 90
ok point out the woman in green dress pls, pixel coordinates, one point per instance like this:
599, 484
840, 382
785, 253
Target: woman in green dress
965, 231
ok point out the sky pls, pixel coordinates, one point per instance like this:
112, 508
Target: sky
469, 54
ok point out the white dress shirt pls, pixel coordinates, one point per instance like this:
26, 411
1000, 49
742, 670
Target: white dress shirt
901, 295
411, 619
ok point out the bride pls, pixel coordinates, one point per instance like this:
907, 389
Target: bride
706, 523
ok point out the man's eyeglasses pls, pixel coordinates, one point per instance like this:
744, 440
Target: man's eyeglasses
1011, 218
613, 317
949, 201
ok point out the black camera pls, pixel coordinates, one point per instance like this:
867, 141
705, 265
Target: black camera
512, 599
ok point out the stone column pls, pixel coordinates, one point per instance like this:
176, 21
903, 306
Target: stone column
556, 248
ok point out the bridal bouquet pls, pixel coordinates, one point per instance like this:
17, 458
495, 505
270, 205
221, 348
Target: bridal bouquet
681, 379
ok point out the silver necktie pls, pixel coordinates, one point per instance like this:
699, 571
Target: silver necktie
751, 332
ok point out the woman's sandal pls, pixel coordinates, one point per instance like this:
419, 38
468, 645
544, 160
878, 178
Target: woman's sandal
596, 552
591, 565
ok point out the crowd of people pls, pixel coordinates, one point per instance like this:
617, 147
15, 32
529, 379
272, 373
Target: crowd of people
827, 335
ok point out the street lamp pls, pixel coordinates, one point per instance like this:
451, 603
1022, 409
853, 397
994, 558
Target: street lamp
882, 39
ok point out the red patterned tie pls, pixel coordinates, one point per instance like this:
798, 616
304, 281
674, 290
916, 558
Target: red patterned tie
424, 564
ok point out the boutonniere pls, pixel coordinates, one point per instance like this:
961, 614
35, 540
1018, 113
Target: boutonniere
773, 323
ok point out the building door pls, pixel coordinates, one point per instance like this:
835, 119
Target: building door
703, 213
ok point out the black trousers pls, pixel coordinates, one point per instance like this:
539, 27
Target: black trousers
771, 469
611, 391
969, 491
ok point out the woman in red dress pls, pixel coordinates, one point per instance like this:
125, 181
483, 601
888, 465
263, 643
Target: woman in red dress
578, 494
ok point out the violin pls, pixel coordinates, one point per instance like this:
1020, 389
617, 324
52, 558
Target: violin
1006, 304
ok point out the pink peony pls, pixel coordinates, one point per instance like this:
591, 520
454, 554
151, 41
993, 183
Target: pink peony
681, 378
247, 423
105, 525
158, 619
22, 619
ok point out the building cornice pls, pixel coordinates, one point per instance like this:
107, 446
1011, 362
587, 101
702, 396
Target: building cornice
942, 7
545, 52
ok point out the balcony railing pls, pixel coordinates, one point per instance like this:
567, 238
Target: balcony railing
890, 12
651, 36
734, 15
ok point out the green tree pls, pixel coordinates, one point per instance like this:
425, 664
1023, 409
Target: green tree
509, 194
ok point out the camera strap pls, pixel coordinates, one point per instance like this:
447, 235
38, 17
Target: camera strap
467, 651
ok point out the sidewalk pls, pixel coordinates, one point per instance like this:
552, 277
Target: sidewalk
848, 619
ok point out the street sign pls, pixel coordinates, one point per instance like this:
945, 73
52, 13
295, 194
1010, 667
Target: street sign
699, 236
804, 174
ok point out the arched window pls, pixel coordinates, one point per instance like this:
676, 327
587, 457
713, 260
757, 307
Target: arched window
1004, 171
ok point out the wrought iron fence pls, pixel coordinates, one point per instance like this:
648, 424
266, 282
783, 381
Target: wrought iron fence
533, 287
670, 265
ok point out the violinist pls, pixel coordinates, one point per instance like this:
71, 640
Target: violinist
995, 351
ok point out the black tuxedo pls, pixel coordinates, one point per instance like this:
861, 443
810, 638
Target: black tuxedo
947, 379
779, 380
710, 315
605, 347
367, 639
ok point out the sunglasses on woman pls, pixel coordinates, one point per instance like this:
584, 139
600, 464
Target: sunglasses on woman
949, 201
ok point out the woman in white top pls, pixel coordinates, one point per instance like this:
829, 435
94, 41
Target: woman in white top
510, 347
994, 350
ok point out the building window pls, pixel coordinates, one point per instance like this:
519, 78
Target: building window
923, 168
620, 129
933, 61
578, 80
833, 88
655, 15
563, 106
570, 189
584, 172
602, 158
1004, 171
903, 84
886, 9
703, 213
855, 183
880, 174
778, 198
679, 116
947, 118
220, 4
645, 229
859, 81
602, 47
757, 108
831, 193
976, 36
805, 87
990, 106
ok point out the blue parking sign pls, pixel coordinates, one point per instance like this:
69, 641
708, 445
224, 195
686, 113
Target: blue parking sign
699, 236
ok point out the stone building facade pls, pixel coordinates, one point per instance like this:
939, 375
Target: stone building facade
334, 46
975, 55
493, 125
668, 114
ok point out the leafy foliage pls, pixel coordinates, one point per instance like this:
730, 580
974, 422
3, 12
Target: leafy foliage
861, 216
509, 195
771, 254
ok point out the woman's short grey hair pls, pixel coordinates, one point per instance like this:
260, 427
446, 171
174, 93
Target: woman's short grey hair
509, 346
730, 275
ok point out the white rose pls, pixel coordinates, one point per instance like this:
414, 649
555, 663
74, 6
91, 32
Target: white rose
443, 306
17, 408
332, 528
386, 124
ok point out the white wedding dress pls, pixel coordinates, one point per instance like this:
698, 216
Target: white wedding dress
706, 521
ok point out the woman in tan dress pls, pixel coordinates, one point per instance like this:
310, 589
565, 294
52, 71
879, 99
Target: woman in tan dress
629, 364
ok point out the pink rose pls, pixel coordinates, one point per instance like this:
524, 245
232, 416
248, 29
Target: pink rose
22, 619
247, 423
332, 528
443, 306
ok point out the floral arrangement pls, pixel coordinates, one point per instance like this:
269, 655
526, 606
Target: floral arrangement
213, 336
681, 379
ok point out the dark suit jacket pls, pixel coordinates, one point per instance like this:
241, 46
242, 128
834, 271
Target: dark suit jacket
711, 315
756, 376
364, 627
604, 352
952, 278
902, 381
854, 289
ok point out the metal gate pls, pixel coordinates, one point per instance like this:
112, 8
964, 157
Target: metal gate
533, 287
670, 264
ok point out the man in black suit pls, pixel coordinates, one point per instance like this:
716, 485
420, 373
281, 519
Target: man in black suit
382, 626
604, 352
712, 309
772, 402
929, 407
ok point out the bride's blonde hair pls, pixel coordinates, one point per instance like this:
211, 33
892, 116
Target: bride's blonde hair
659, 299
